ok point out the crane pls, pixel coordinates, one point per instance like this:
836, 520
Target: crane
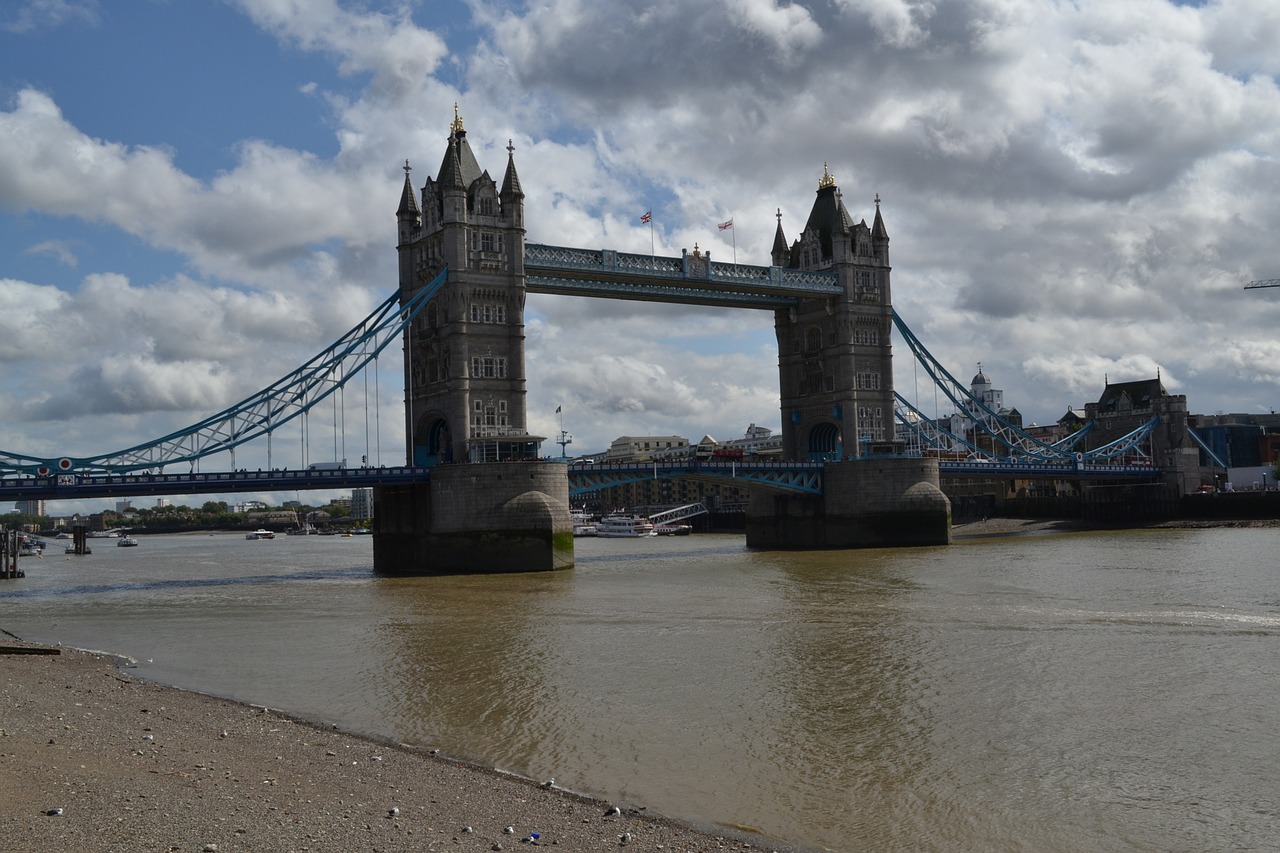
1264, 282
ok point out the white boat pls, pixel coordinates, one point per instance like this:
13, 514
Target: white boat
127, 542
672, 529
260, 534
624, 527
583, 523
29, 547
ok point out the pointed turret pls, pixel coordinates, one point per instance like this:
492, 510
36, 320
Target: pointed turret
880, 235
828, 217
511, 181
781, 253
408, 209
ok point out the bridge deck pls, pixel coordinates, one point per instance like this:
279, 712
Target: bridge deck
567, 271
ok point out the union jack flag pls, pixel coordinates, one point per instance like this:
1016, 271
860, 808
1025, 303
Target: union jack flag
647, 217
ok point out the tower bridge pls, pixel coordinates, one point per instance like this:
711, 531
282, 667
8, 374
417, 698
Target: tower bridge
465, 268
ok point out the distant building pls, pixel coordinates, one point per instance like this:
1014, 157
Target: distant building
643, 448
122, 506
362, 504
31, 509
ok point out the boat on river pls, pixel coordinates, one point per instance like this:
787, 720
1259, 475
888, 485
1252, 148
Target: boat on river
624, 527
260, 534
127, 542
29, 546
583, 523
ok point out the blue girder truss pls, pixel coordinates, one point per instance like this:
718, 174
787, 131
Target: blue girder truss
1009, 442
802, 477
260, 414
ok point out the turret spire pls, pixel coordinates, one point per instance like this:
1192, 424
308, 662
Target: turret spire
408, 202
511, 181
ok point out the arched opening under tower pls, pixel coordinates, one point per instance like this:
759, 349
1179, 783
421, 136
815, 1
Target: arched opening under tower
432, 446
824, 443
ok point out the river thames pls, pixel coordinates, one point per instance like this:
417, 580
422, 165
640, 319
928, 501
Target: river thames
1111, 691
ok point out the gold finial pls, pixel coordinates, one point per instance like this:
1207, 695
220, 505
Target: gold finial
696, 253
456, 127
828, 180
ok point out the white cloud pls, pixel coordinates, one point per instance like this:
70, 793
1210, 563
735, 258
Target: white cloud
26, 15
1073, 191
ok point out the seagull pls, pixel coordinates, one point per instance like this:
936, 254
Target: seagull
550, 783
612, 811
624, 838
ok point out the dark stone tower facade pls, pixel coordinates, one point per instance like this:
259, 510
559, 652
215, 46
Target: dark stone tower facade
834, 355
464, 355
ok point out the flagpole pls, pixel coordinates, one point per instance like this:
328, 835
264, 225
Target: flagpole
651, 232
735, 245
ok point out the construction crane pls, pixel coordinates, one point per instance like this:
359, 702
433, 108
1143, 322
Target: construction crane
1264, 282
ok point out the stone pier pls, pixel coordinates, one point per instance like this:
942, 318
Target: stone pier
475, 518
867, 503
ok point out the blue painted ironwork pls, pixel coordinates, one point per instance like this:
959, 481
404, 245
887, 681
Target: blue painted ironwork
1045, 470
107, 485
567, 271
1205, 447
802, 477
279, 403
1010, 443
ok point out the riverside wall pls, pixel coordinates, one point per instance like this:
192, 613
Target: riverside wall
475, 518
866, 503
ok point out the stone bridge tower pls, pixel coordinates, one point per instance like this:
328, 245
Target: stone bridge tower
465, 388
834, 355
464, 355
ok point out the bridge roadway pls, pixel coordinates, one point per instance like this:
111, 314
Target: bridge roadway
801, 477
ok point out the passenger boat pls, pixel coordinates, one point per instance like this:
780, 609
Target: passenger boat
583, 523
127, 542
624, 526
260, 534
673, 529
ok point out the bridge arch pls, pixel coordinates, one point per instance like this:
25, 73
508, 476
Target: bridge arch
824, 441
432, 445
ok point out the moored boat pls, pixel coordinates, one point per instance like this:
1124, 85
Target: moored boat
624, 527
583, 523
673, 529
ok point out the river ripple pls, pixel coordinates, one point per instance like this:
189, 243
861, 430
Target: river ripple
1100, 691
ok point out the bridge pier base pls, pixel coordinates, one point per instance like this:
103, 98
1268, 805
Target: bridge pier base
475, 518
866, 503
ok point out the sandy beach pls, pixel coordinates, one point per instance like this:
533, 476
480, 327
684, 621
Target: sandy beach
92, 759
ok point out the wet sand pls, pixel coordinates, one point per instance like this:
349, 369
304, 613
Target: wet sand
92, 759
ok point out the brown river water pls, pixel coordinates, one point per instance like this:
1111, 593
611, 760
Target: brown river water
1081, 691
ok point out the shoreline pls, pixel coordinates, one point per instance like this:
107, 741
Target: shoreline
998, 526
93, 758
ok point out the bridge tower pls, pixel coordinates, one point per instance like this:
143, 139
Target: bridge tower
834, 355
464, 377
835, 366
464, 356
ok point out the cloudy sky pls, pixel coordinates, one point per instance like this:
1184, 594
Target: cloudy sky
197, 196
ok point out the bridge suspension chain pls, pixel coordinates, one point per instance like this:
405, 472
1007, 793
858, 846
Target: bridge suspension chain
289, 397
